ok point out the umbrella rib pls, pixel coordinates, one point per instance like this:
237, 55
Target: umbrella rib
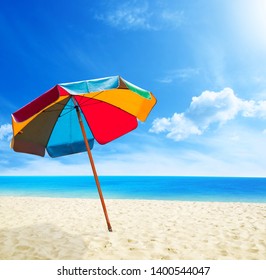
87, 99
69, 111
57, 110
66, 106
83, 102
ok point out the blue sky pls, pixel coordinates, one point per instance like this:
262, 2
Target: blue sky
203, 60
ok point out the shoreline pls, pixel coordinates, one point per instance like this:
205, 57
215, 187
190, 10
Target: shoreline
129, 199
74, 228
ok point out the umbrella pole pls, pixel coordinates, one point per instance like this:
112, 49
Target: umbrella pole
93, 169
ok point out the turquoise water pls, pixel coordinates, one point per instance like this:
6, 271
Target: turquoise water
138, 187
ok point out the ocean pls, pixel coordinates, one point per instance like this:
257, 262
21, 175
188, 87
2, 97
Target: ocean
226, 189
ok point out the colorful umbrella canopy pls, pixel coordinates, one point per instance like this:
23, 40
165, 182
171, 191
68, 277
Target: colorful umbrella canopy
54, 121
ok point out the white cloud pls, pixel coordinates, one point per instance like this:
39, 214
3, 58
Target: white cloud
211, 107
253, 108
172, 18
179, 74
138, 15
205, 110
233, 151
45, 166
178, 127
223, 156
129, 16
5, 132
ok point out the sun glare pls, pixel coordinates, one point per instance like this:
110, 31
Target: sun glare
250, 20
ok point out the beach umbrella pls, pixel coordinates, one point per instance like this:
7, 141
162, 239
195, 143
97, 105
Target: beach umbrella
69, 117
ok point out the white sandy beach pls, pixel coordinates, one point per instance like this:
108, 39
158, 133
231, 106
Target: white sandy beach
55, 228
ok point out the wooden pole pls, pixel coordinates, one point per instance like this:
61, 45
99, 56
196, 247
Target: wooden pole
93, 168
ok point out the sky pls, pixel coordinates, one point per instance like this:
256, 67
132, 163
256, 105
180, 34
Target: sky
203, 60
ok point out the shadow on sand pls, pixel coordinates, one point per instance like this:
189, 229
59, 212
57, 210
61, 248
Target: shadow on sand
40, 242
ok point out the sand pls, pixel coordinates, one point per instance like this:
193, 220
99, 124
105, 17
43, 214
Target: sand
75, 229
